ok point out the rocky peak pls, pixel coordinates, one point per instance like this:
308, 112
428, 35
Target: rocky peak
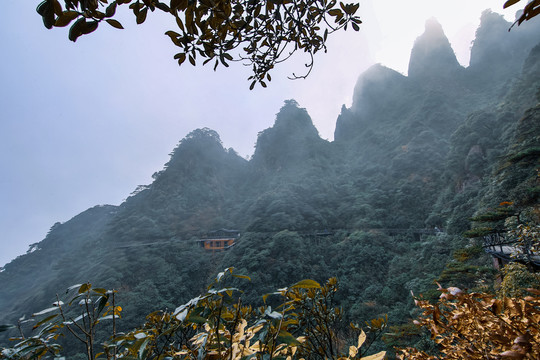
490, 42
381, 96
432, 55
373, 86
201, 148
199, 141
499, 52
294, 121
292, 135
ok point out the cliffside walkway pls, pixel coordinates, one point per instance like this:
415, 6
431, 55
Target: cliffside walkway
508, 250
318, 234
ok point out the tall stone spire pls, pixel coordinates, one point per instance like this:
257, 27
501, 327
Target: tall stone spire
432, 55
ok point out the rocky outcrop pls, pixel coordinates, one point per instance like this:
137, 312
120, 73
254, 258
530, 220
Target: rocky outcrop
432, 56
292, 139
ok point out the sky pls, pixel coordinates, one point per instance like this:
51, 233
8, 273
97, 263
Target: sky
82, 124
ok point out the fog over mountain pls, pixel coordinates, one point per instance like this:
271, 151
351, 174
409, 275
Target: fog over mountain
382, 207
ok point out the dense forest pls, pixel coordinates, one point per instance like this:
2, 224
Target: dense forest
382, 208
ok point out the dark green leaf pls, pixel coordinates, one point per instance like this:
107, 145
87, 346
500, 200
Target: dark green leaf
47, 13
114, 23
172, 34
532, 13
163, 7
57, 7
76, 30
41, 7
179, 23
6, 327
175, 4
141, 17
335, 12
181, 58
66, 18
102, 303
87, 28
222, 59
111, 9
196, 319
510, 3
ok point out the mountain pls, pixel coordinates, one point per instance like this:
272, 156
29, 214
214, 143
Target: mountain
382, 207
432, 57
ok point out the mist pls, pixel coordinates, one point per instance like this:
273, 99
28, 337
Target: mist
85, 123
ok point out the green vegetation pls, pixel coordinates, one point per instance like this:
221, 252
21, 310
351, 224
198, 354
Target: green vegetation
382, 208
517, 278
215, 325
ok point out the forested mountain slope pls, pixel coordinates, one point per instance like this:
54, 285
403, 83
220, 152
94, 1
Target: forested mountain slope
413, 153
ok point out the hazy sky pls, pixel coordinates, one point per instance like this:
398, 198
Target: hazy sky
84, 123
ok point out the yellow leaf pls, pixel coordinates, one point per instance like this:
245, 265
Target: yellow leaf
84, 288
307, 284
378, 356
353, 350
361, 338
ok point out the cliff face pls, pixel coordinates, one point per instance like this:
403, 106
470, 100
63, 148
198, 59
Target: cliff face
498, 52
432, 57
374, 93
390, 110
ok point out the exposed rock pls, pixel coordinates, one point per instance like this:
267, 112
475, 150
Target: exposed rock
374, 90
432, 56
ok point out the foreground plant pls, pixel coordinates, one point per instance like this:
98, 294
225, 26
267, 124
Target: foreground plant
215, 325
79, 317
479, 326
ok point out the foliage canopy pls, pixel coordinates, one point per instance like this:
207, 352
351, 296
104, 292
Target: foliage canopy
261, 34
